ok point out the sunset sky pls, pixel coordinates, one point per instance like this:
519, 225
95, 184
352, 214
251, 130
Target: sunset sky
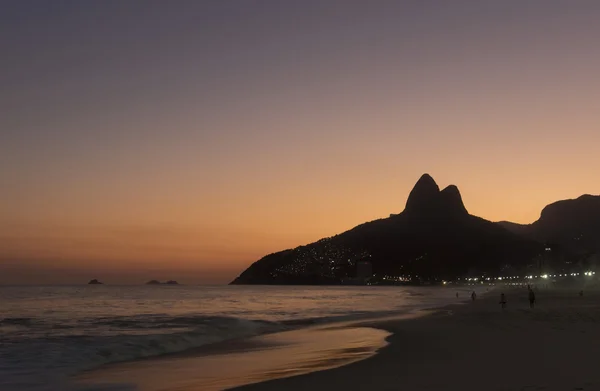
186, 139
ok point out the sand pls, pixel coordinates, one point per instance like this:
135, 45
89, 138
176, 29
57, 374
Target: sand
474, 346
478, 346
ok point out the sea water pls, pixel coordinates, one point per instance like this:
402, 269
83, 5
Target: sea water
50, 333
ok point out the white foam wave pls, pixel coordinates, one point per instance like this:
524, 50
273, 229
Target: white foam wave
52, 359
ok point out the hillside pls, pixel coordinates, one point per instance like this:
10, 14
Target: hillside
574, 225
434, 237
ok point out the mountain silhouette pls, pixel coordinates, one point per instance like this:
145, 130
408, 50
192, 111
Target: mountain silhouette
434, 237
574, 225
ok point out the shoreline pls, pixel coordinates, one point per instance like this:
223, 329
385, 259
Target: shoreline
281, 354
239, 362
477, 346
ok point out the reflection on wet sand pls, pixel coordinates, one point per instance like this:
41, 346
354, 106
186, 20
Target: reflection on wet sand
247, 361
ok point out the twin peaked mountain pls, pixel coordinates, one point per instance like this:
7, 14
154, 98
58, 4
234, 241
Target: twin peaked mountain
434, 237
426, 199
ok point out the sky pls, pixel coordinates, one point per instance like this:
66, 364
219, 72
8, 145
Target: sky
187, 139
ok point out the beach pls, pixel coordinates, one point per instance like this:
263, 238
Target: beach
469, 346
478, 346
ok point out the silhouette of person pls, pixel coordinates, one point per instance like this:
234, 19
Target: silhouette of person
473, 296
457, 294
503, 300
531, 298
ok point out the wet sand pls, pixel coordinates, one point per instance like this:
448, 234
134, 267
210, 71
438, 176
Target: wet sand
235, 363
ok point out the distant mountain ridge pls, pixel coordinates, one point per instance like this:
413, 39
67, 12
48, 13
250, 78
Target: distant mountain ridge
572, 224
433, 237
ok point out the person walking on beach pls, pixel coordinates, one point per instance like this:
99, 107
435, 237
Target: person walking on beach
503, 300
531, 298
473, 296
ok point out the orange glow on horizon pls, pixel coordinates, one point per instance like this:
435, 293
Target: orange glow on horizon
214, 135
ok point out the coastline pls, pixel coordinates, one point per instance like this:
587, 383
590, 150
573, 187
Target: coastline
462, 346
237, 362
257, 359
477, 346
241, 333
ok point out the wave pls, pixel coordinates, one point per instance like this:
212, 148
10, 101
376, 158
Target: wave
43, 348
346, 317
98, 341
158, 322
126, 338
200, 331
16, 321
58, 356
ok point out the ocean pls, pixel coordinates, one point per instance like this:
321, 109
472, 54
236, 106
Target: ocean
49, 333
